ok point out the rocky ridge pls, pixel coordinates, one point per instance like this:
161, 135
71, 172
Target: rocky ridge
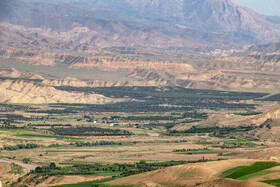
196, 25
31, 92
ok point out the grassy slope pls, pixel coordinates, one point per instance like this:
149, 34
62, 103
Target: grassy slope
244, 173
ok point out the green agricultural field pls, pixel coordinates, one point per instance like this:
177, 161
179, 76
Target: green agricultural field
246, 172
275, 182
82, 151
199, 152
47, 136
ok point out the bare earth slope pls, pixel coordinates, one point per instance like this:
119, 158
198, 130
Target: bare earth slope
13, 73
30, 92
181, 175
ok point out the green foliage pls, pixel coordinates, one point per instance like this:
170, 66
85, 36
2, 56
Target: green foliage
216, 131
107, 169
195, 151
20, 146
167, 99
16, 169
231, 154
88, 144
230, 171
13, 118
48, 136
49, 125
26, 160
248, 113
256, 167
275, 182
253, 175
275, 97
227, 144
89, 131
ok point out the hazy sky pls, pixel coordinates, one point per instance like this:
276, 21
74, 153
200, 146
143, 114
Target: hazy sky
266, 7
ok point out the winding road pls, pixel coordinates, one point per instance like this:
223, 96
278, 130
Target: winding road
27, 166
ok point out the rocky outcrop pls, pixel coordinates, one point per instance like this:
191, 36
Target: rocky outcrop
209, 79
271, 117
132, 65
258, 62
13, 73
37, 93
90, 61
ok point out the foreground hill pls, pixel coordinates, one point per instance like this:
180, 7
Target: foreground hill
190, 174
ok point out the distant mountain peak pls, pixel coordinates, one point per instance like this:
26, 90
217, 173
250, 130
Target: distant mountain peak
145, 23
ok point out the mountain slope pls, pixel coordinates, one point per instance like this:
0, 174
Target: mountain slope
200, 24
212, 15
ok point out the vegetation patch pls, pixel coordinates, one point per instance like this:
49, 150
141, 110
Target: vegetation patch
16, 169
231, 154
228, 144
100, 143
275, 97
275, 182
20, 146
47, 136
89, 131
253, 175
81, 151
167, 99
251, 171
216, 131
231, 171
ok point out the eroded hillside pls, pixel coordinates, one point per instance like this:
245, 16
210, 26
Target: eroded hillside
30, 92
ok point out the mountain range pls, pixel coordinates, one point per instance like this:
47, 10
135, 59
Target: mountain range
105, 43
180, 24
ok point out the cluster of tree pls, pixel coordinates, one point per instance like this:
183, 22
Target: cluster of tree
166, 92
95, 168
216, 131
54, 145
7, 125
11, 107
143, 118
236, 145
158, 101
26, 160
49, 125
89, 131
275, 97
195, 115
11, 118
89, 118
248, 113
88, 144
157, 125
184, 150
20, 146
46, 169
54, 111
